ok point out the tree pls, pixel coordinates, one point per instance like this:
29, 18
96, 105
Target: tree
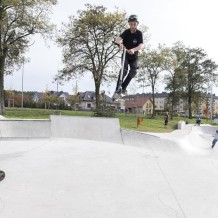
152, 63
87, 45
19, 20
175, 77
199, 70
49, 99
74, 102
13, 98
74, 99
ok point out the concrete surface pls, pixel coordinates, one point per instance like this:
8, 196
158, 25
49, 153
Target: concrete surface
148, 175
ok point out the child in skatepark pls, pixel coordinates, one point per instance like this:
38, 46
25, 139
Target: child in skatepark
132, 40
215, 138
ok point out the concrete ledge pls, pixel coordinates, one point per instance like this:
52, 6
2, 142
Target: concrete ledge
91, 128
24, 128
181, 124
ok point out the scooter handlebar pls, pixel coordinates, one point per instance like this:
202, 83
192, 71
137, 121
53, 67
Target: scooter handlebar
116, 43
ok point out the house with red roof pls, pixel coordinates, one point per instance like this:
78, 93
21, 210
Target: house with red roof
139, 105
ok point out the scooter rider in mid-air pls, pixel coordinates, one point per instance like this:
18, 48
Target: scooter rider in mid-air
132, 40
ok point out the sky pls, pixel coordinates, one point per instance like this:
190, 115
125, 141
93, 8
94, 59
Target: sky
194, 22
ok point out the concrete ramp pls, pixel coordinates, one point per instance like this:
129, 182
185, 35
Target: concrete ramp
190, 141
205, 129
91, 128
153, 142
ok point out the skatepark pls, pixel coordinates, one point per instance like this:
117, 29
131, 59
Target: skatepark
80, 167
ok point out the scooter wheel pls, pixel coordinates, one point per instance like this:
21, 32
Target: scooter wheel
2, 175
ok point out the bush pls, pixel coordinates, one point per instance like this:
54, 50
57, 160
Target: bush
106, 112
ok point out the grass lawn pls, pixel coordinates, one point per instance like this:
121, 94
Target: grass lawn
127, 121
156, 124
30, 113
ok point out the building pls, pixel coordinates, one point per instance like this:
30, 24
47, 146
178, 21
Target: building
64, 96
139, 104
87, 100
160, 100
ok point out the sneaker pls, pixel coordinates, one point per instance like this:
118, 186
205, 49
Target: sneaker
124, 92
119, 91
115, 96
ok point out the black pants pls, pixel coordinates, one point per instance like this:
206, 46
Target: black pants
214, 142
131, 63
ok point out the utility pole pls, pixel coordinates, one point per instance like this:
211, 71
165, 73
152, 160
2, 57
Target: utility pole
57, 95
211, 105
22, 85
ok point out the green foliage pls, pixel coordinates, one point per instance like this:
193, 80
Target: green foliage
13, 98
152, 64
74, 100
175, 77
87, 42
19, 20
199, 70
104, 110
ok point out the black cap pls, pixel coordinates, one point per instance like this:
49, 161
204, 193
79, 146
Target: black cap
133, 17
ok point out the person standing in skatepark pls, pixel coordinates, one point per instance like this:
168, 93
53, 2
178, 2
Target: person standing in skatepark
166, 119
